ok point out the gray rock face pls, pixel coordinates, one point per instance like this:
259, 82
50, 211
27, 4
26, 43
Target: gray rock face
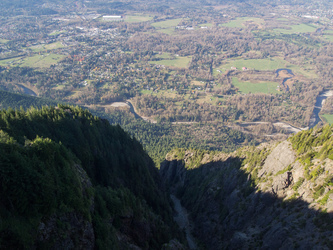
282, 182
231, 208
278, 159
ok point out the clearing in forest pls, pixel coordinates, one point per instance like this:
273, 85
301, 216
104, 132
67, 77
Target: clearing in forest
167, 24
138, 18
3, 41
44, 47
41, 61
57, 32
266, 64
299, 28
260, 87
177, 61
10, 62
328, 118
256, 64
241, 22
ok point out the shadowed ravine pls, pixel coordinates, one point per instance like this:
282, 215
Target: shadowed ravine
182, 220
270, 208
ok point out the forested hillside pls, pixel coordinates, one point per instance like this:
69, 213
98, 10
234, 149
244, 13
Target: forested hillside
70, 180
157, 139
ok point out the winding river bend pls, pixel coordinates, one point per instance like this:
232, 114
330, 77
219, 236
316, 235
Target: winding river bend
289, 71
315, 119
27, 91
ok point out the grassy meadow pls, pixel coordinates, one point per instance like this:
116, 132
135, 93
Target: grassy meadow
328, 118
41, 61
167, 24
260, 87
299, 28
167, 60
138, 18
241, 22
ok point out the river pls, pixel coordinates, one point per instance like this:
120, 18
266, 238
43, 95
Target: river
315, 119
289, 71
26, 90
183, 222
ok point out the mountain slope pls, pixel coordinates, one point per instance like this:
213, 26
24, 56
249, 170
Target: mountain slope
271, 197
70, 180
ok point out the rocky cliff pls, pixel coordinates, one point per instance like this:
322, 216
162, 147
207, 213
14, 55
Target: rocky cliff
275, 196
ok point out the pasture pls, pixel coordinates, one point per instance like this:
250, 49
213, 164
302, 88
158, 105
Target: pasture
242, 21
3, 41
138, 18
299, 28
10, 62
328, 118
206, 25
168, 31
179, 62
57, 32
266, 64
256, 64
41, 61
260, 87
329, 37
44, 47
167, 24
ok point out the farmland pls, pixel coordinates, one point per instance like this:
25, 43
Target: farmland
167, 24
138, 18
299, 28
259, 87
241, 22
176, 61
328, 118
256, 64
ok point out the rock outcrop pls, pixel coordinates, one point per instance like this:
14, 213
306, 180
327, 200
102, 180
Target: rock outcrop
264, 197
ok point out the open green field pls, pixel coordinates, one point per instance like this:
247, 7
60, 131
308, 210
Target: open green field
57, 32
206, 25
179, 62
138, 18
168, 31
257, 64
167, 24
299, 28
41, 61
10, 62
240, 22
163, 55
307, 72
282, 19
261, 87
51, 46
329, 37
266, 64
146, 91
328, 118
4, 41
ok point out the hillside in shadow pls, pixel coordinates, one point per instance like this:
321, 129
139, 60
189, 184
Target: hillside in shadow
233, 208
